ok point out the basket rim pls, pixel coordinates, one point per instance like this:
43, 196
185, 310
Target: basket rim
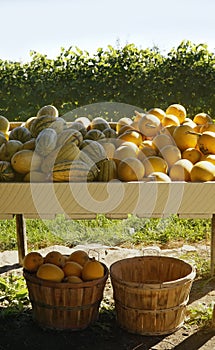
31, 277
167, 284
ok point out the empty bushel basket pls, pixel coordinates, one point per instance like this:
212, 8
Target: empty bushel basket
65, 306
151, 293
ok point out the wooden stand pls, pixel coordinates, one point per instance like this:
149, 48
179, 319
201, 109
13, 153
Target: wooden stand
21, 237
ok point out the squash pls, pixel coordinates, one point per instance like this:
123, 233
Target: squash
20, 133
7, 173
9, 148
94, 150
70, 136
178, 110
46, 141
48, 110
92, 270
50, 272
206, 142
74, 171
25, 161
94, 134
107, 170
99, 123
40, 123
68, 151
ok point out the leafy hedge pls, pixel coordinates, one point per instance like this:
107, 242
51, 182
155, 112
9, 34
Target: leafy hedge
140, 77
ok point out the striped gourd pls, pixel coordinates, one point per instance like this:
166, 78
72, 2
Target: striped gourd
20, 133
58, 125
40, 123
107, 170
48, 110
95, 151
94, 134
7, 172
77, 126
68, 151
72, 171
110, 133
46, 141
48, 161
99, 123
69, 135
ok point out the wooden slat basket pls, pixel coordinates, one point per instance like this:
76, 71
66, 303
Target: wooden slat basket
151, 293
65, 306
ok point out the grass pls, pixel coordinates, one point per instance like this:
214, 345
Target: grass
132, 231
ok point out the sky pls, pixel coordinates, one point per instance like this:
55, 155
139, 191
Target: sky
45, 26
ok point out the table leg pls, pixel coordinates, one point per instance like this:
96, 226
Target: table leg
21, 237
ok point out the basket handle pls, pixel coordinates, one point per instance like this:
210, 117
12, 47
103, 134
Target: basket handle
95, 251
151, 251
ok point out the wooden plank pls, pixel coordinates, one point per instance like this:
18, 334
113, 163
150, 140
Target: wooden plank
138, 198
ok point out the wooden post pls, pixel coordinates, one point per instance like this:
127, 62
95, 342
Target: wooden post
213, 258
21, 237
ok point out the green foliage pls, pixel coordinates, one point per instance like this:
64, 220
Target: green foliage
200, 315
13, 294
138, 77
131, 231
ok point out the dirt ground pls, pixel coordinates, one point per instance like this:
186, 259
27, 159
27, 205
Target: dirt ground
23, 332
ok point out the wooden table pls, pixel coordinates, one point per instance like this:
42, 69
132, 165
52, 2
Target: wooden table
115, 200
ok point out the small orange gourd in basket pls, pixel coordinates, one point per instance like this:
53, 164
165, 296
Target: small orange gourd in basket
92, 270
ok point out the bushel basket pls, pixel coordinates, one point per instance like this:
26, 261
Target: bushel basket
151, 293
65, 306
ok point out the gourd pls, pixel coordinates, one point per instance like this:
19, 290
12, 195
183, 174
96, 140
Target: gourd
25, 161
7, 173
20, 133
74, 171
46, 141
107, 170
